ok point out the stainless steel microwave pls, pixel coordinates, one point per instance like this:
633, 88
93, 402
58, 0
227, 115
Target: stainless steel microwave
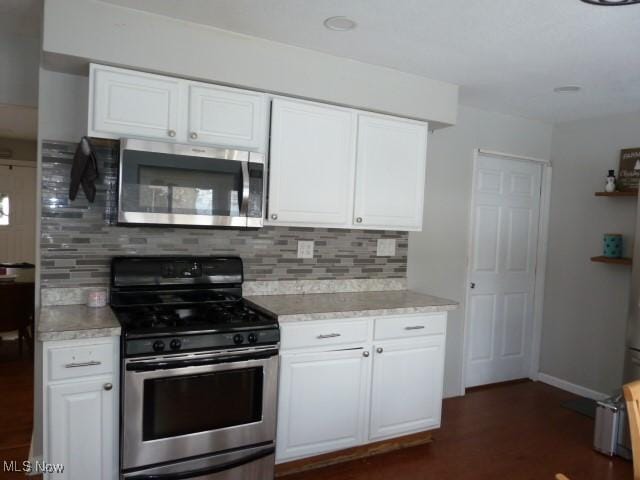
173, 184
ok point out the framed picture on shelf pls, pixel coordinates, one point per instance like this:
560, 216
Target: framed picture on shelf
628, 175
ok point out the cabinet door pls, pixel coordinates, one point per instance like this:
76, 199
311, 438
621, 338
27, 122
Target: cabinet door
390, 172
124, 103
322, 404
82, 429
406, 394
312, 157
227, 117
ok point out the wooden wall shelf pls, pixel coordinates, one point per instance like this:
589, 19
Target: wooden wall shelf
616, 194
614, 261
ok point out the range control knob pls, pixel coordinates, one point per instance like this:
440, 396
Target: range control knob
238, 339
175, 344
252, 337
158, 346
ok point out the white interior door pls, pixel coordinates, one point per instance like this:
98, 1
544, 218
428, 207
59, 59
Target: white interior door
506, 211
18, 217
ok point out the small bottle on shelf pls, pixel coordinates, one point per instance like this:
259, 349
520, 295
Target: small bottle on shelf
610, 186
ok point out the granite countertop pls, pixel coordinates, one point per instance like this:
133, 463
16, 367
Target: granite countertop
70, 322
324, 306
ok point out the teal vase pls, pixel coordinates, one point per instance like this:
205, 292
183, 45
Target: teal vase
612, 245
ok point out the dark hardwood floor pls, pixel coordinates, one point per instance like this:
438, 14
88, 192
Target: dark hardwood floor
514, 431
511, 432
16, 406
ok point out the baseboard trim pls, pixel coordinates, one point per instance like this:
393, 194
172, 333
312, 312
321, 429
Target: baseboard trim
571, 387
353, 453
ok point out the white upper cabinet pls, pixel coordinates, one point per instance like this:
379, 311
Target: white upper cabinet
125, 103
390, 173
312, 163
227, 116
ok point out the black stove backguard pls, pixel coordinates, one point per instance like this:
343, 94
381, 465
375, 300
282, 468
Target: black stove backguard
171, 272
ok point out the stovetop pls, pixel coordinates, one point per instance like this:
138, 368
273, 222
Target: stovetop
168, 318
170, 305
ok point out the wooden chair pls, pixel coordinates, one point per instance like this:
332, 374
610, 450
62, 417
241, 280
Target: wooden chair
632, 397
16, 311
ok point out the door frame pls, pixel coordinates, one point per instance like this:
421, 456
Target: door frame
540, 266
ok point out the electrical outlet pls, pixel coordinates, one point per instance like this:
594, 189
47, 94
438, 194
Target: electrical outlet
386, 247
305, 248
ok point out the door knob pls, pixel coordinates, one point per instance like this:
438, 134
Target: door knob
274, 216
365, 354
472, 285
171, 133
107, 386
379, 350
359, 220
193, 135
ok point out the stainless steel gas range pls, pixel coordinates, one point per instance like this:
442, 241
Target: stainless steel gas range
199, 371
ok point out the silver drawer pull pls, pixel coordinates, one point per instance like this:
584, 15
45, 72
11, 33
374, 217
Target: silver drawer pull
91, 363
415, 327
328, 335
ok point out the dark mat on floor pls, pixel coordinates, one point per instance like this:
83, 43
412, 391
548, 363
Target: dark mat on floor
583, 406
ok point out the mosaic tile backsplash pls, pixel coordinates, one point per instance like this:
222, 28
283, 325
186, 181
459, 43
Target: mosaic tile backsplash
78, 239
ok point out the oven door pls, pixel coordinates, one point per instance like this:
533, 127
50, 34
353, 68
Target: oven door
164, 183
177, 407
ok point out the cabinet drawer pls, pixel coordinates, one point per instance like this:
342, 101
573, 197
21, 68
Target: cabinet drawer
410, 326
79, 361
320, 333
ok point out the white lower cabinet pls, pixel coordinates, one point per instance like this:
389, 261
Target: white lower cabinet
346, 389
323, 402
406, 389
81, 408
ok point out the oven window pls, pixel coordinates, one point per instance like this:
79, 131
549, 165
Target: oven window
180, 184
196, 403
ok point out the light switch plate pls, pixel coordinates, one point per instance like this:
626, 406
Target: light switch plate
305, 248
386, 247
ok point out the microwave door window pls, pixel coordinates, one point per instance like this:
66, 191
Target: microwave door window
181, 185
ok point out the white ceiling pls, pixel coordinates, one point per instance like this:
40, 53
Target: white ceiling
507, 55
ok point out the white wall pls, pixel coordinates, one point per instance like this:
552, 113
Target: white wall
63, 110
438, 254
586, 303
19, 60
101, 32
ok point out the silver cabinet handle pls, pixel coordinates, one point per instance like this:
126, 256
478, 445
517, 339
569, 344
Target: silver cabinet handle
193, 135
359, 220
171, 133
379, 350
107, 386
328, 335
274, 216
91, 363
414, 327
365, 354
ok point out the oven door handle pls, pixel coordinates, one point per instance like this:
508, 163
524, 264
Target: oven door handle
197, 362
207, 470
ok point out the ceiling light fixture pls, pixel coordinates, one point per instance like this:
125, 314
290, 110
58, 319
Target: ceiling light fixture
611, 3
341, 24
568, 89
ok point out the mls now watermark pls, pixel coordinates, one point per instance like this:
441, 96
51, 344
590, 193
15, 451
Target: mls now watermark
32, 467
